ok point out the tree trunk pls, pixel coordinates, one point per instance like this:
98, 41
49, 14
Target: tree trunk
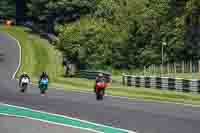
20, 11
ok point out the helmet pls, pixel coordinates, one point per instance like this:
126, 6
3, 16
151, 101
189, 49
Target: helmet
100, 75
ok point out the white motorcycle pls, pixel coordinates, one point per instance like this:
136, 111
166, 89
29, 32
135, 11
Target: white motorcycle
24, 84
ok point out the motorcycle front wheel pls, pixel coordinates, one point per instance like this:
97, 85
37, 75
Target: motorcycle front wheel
24, 88
43, 89
99, 95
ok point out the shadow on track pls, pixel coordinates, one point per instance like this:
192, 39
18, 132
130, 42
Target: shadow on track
1, 57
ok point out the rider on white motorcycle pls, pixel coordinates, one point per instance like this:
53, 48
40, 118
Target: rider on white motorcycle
24, 78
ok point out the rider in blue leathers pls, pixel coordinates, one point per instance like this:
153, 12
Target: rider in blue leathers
44, 79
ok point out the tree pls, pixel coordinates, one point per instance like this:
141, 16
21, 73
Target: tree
21, 9
89, 42
52, 11
7, 8
122, 33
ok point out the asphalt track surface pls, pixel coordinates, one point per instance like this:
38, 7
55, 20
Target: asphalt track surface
143, 117
21, 125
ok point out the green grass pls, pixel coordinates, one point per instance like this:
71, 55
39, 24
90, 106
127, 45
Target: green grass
38, 55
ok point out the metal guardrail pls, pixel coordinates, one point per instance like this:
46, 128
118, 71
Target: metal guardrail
93, 74
162, 83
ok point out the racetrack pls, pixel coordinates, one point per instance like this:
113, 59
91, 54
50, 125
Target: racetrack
20, 125
144, 117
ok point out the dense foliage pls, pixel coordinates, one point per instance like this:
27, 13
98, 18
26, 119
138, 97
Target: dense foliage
121, 33
7, 8
134, 32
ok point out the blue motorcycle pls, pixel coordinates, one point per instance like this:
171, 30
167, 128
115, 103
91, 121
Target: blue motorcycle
43, 85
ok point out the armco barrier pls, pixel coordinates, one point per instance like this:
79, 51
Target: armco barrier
147, 82
162, 83
171, 83
158, 82
186, 85
129, 81
137, 81
93, 74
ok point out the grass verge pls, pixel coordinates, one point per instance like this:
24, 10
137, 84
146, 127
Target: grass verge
38, 56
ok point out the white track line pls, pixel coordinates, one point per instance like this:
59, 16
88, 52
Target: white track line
20, 55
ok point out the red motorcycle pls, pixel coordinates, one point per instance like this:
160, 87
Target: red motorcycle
100, 90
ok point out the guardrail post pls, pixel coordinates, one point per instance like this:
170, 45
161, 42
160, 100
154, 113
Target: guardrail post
137, 81
158, 82
179, 84
123, 79
142, 81
194, 85
164, 84
171, 84
133, 81
186, 85
153, 82
129, 80
198, 90
147, 82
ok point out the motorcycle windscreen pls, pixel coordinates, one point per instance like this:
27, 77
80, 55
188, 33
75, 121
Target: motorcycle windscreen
44, 81
25, 80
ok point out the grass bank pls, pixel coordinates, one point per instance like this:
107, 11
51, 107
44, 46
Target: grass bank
38, 55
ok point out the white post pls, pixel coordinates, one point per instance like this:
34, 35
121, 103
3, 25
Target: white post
162, 61
199, 66
190, 66
183, 66
168, 69
161, 70
174, 69
187, 67
162, 50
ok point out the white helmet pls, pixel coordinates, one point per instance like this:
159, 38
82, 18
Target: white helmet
100, 75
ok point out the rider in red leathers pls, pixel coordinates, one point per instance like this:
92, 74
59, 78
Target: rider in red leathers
99, 78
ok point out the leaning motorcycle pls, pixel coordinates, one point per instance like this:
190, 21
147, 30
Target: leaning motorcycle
43, 85
100, 90
24, 84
